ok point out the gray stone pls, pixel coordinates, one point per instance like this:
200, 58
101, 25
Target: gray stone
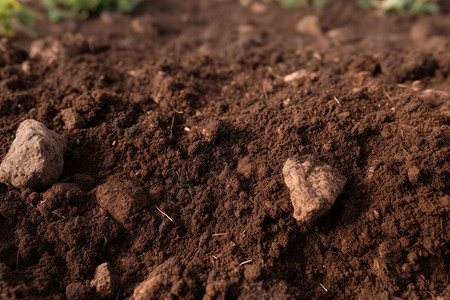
313, 185
36, 157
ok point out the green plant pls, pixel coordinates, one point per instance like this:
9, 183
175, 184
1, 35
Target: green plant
15, 17
81, 9
411, 6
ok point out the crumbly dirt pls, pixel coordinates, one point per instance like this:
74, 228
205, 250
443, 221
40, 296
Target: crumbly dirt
189, 105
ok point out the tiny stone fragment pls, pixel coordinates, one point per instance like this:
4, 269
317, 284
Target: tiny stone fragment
313, 185
296, 76
104, 281
36, 157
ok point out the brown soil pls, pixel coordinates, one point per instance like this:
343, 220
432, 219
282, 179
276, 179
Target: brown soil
187, 113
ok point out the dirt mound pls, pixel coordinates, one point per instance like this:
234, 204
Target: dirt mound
176, 143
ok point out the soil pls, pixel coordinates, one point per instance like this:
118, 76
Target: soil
179, 120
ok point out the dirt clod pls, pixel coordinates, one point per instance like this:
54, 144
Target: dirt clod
104, 282
210, 129
253, 272
72, 119
314, 186
123, 201
36, 157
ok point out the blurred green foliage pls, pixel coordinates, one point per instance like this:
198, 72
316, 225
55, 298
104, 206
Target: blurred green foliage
411, 6
298, 3
15, 17
81, 9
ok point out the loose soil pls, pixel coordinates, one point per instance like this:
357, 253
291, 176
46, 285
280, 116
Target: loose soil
185, 112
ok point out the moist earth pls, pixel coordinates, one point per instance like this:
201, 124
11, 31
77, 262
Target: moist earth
179, 119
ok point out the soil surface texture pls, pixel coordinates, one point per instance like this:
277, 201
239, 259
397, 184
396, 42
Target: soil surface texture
179, 119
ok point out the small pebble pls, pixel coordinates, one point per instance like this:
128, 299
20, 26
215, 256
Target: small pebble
309, 25
414, 175
417, 86
210, 129
296, 76
104, 281
258, 8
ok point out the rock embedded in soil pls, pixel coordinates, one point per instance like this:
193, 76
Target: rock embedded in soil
313, 185
36, 157
104, 281
76, 291
121, 198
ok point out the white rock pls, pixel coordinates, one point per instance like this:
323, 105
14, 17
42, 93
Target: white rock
313, 185
36, 157
104, 281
